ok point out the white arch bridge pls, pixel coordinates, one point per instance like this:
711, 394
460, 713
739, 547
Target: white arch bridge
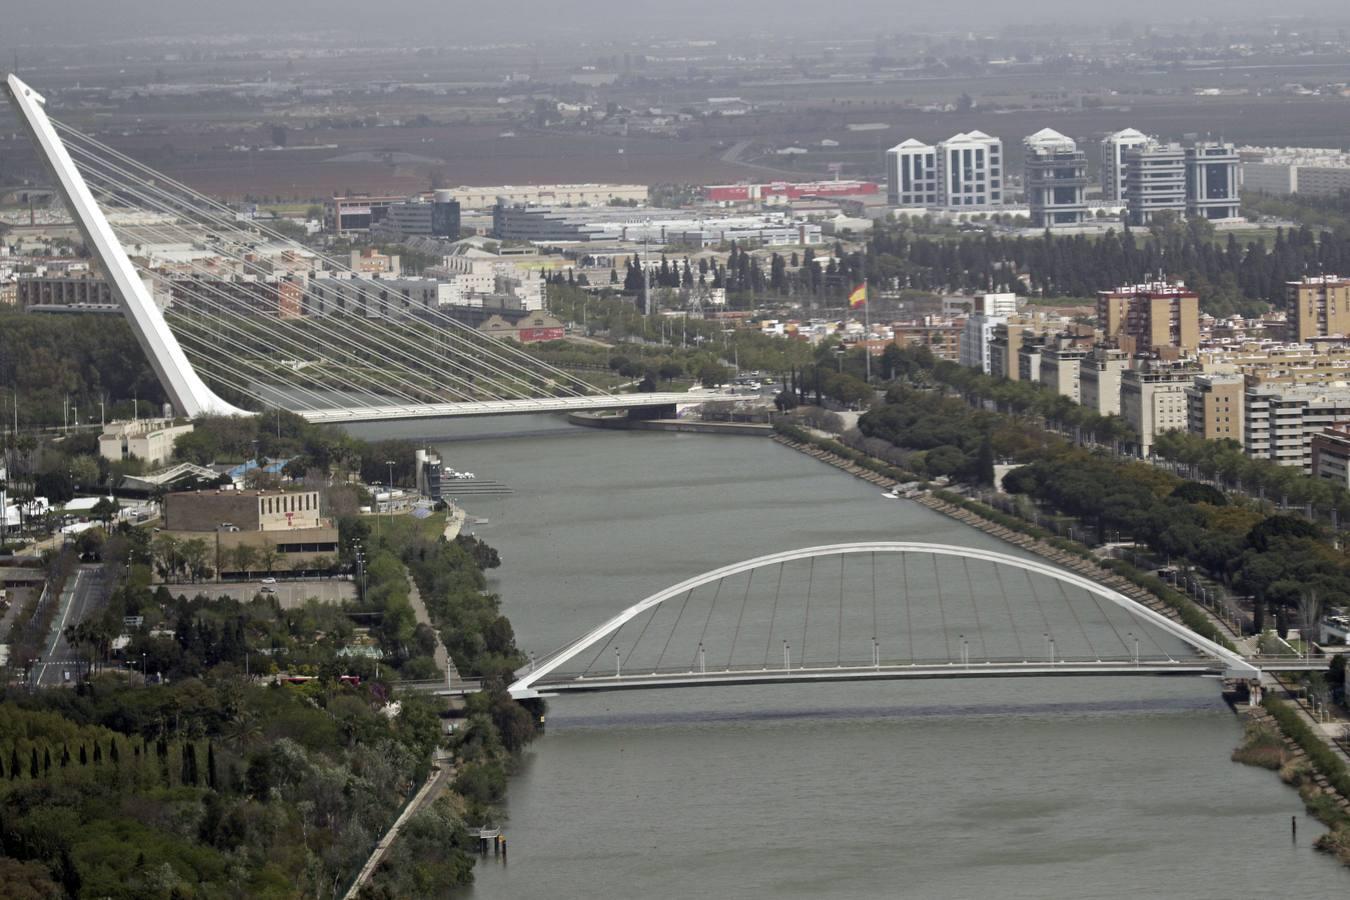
878, 610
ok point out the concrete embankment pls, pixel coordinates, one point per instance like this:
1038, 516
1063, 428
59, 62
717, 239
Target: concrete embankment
624, 423
839, 462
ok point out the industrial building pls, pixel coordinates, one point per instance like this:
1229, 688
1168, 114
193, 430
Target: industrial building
285, 521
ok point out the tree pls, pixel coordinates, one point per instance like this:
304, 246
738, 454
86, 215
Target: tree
268, 555
245, 558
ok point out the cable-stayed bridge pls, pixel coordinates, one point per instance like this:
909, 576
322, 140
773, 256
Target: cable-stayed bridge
880, 611
256, 320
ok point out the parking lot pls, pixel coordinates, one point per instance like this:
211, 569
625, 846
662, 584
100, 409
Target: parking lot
290, 593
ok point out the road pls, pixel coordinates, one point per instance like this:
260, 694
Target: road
85, 594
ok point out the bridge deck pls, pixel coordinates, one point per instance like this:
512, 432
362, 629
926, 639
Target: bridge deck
507, 407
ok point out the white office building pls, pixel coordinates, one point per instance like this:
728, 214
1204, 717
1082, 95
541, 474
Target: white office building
1155, 180
1114, 149
1056, 179
975, 340
911, 174
970, 171
1212, 181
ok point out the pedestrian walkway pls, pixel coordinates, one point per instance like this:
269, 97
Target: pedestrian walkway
441, 655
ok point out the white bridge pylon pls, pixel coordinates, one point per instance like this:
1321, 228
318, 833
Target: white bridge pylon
547, 676
435, 367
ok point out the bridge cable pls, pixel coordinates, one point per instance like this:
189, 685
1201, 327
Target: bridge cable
909, 605
975, 608
676, 627
1007, 603
1036, 599
228, 217
356, 337
773, 615
150, 191
875, 637
712, 608
942, 612
1107, 618
632, 649
1059, 586
731, 654
327, 325
839, 633
806, 618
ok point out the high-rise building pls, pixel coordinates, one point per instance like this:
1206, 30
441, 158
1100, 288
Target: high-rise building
1061, 361
1279, 420
962, 172
1212, 181
1004, 347
976, 338
1153, 402
1214, 407
1155, 180
1099, 379
1056, 179
970, 171
1147, 317
911, 174
1320, 306
1114, 150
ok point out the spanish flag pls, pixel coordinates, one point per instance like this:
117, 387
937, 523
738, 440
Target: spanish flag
858, 297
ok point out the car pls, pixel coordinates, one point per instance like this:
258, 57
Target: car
269, 580
268, 589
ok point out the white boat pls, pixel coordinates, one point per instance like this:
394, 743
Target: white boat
891, 495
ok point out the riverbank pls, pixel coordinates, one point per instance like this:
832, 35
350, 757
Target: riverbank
622, 422
1276, 737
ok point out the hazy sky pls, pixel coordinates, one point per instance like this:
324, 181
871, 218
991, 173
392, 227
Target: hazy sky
460, 21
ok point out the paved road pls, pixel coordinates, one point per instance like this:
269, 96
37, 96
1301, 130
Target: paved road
292, 594
86, 594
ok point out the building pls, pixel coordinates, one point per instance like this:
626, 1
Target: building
1212, 181
149, 440
418, 217
553, 224
1099, 379
1316, 171
1115, 147
1056, 179
1279, 421
786, 190
75, 292
1214, 407
369, 261
1061, 362
1320, 306
911, 174
970, 171
1004, 347
285, 522
1029, 358
358, 213
430, 473
1331, 454
1148, 317
1154, 402
529, 329
551, 195
1155, 180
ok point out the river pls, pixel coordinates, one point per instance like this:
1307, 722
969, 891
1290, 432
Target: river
1054, 788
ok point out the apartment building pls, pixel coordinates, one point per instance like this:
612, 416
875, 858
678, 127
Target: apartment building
1212, 181
1214, 407
1279, 421
1154, 402
1148, 317
1004, 346
1061, 362
1331, 454
1099, 379
1319, 306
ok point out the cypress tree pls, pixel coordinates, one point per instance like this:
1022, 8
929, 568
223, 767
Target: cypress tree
113, 754
33, 765
211, 766
98, 753
84, 756
46, 761
65, 755
2, 768
13, 763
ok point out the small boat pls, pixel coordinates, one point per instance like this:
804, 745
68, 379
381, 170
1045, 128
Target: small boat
891, 495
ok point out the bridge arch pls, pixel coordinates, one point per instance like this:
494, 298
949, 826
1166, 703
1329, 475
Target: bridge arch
528, 680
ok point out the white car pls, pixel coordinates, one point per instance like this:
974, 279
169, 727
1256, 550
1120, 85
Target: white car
269, 580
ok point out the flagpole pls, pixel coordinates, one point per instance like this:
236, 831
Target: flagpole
867, 329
